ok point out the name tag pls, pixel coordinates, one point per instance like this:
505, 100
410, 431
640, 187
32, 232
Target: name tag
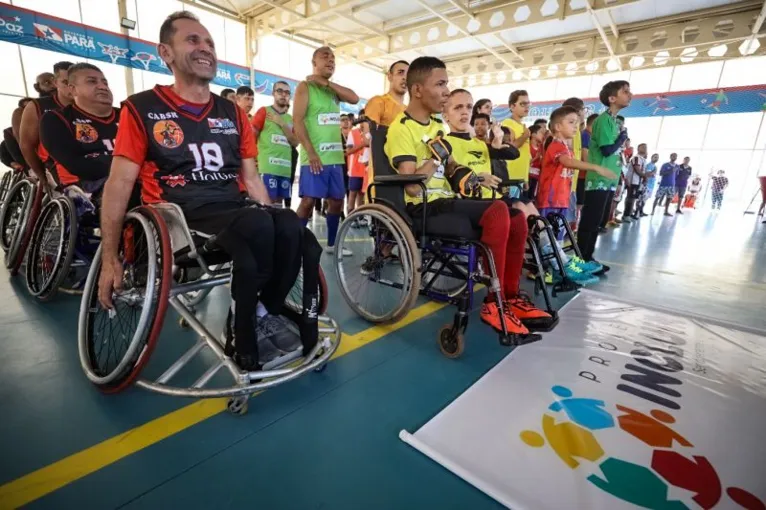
329, 147
279, 162
326, 119
279, 140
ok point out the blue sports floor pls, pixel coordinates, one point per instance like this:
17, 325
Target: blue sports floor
326, 441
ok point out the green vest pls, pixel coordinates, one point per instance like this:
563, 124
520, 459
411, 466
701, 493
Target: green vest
323, 125
274, 151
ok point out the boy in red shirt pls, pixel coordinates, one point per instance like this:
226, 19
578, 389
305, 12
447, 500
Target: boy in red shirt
536, 139
559, 164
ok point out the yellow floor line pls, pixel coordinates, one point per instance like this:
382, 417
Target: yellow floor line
39, 483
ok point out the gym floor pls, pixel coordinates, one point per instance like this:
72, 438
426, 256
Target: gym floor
327, 440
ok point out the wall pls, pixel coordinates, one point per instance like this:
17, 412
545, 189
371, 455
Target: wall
735, 142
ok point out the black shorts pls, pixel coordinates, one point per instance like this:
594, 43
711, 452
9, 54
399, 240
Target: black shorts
453, 217
580, 191
212, 219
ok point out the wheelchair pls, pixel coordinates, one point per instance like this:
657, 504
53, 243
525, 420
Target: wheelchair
413, 256
63, 243
165, 263
8, 181
18, 215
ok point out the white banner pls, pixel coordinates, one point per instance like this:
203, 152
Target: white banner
621, 406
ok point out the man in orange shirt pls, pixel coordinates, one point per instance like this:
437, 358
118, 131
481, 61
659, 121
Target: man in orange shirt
189, 147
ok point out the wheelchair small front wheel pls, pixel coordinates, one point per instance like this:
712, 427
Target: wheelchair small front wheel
451, 341
237, 405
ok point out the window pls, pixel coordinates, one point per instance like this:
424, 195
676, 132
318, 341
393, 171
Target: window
151, 16
648, 81
67, 9
100, 14
696, 76
236, 44
733, 131
12, 82
744, 71
686, 132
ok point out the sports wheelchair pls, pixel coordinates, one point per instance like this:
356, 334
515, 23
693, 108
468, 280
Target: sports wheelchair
18, 215
166, 263
414, 256
63, 243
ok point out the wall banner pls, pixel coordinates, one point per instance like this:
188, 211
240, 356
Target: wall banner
31, 28
670, 104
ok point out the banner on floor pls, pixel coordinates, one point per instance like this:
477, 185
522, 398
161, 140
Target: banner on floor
38, 30
669, 104
621, 406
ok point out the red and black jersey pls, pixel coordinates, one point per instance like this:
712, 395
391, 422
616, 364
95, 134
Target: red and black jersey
79, 144
190, 154
44, 105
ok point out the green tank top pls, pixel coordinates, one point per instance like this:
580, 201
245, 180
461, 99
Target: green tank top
274, 151
323, 126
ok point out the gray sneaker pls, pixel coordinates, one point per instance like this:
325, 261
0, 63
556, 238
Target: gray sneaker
274, 329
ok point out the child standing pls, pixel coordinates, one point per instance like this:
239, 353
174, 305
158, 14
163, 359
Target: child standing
556, 176
537, 132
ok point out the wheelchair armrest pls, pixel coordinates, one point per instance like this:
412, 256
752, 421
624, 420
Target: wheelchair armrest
400, 179
512, 182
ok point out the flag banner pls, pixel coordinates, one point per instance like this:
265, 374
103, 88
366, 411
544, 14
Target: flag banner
622, 406
669, 104
31, 28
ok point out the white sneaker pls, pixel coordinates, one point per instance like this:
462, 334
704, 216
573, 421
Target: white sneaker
346, 252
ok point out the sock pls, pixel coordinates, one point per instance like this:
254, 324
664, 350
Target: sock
495, 223
333, 220
260, 310
517, 238
304, 221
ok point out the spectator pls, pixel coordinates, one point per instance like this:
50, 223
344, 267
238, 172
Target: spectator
650, 179
667, 187
720, 183
636, 173
682, 179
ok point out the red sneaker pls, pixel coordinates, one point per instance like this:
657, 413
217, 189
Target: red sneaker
490, 314
523, 308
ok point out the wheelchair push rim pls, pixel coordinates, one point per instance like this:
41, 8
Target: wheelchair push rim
12, 210
23, 233
388, 231
144, 254
56, 214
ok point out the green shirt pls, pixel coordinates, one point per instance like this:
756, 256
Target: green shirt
274, 150
604, 132
323, 125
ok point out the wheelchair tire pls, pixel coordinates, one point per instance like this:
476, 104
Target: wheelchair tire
60, 211
17, 253
295, 297
11, 212
391, 222
5, 185
152, 305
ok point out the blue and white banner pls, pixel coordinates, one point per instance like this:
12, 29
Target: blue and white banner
668, 104
31, 28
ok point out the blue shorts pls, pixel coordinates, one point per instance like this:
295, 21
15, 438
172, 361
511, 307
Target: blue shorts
327, 184
277, 186
355, 183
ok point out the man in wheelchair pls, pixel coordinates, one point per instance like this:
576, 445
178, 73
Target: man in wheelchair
79, 138
415, 144
190, 147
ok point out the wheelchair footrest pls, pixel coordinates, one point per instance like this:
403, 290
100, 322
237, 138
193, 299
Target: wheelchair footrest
517, 340
565, 285
542, 324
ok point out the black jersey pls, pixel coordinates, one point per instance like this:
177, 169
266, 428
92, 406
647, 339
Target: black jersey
192, 158
44, 105
79, 144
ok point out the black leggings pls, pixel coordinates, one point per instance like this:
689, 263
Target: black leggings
265, 246
595, 209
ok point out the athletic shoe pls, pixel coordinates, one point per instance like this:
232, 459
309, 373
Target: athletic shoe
522, 307
274, 330
589, 267
490, 314
548, 277
577, 275
346, 251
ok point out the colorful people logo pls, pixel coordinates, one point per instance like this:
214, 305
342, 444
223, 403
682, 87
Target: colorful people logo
569, 432
85, 133
168, 134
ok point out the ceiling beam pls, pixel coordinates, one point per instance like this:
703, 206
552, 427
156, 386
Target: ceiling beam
604, 38
756, 28
656, 45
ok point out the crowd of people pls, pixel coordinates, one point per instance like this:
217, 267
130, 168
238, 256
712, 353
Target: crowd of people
181, 143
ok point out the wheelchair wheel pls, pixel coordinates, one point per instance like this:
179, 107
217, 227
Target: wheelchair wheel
451, 342
295, 297
115, 345
52, 248
12, 211
445, 283
15, 255
5, 185
389, 269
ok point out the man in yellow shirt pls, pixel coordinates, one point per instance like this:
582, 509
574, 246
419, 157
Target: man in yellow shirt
408, 150
518, 103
